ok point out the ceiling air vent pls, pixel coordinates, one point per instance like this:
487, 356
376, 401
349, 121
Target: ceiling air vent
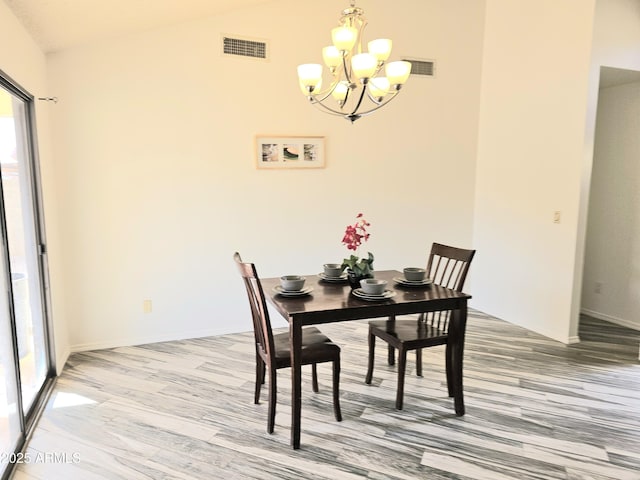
244, 47
425, 68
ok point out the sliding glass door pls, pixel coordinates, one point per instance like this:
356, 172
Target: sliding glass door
25, 363
10, 415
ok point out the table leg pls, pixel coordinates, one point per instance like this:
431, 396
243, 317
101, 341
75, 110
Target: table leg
456, 332
295, 337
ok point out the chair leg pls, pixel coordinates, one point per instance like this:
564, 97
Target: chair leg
402, 366
391, 355
260, 371
336, 389
372, 347
273, 391
390, 350
448, 357
421, 320
314, 377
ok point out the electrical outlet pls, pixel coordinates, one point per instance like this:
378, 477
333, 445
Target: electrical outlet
556, 216
147, 306
597, 288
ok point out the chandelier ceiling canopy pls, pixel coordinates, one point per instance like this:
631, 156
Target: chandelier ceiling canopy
356, 85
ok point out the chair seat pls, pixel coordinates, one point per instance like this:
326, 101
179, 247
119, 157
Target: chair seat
408, 332
316, 347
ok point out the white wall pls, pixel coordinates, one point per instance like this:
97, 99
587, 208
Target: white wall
154, 141
612, 257
22, 60
155, 175
534, 87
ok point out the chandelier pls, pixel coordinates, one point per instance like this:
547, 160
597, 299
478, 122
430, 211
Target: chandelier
354, 74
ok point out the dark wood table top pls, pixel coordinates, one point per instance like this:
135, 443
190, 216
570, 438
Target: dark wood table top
333, 302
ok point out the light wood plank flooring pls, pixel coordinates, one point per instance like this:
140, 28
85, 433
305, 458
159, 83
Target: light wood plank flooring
536, 409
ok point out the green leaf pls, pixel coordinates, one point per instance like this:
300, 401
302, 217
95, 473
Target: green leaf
359, 266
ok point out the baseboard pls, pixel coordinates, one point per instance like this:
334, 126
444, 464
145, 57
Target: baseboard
128, 342
573, 340
608, 318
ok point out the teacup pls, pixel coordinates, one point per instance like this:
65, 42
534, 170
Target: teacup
332, 270
373, 286
414, 274
292, 283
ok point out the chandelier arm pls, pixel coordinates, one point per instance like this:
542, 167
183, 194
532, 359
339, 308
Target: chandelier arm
324, 108
320, 104
326, 94
375, 100
355, 110
379, 105
346, 98
322, 96
341, 113
345, 69
363, 25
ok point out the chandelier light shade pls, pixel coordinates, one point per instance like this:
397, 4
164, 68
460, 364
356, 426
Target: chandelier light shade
357, 85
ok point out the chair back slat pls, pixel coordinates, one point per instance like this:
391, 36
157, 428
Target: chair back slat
440, 320
447, 266
259, 313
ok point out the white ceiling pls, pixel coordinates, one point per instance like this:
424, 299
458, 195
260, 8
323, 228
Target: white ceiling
59, 24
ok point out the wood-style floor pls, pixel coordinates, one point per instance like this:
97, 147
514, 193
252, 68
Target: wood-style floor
536, 409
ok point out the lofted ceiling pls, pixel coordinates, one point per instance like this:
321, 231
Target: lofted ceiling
60, 24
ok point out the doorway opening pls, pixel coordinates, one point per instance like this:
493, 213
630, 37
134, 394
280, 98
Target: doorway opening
611, 275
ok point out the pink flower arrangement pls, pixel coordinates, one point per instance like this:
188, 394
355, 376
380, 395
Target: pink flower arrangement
354, 236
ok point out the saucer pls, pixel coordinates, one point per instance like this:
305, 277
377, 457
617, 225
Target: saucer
339, 279
410, 283
358, 292
292, 293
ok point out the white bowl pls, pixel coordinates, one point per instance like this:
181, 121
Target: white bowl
414, 274
292, 283
373, 286
333, 270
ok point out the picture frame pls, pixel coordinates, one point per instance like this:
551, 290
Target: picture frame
275, 152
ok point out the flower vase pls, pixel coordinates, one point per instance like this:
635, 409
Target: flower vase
354, 278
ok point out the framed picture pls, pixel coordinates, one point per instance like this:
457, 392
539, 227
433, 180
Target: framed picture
273, 152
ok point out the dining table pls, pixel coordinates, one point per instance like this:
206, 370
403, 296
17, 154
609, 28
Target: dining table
333, 301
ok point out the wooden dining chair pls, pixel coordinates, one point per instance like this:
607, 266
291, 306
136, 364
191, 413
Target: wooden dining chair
273, 351
447, 266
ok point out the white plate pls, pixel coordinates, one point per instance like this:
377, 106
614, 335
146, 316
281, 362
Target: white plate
292, 293
411, 283
358, 292
341, 278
